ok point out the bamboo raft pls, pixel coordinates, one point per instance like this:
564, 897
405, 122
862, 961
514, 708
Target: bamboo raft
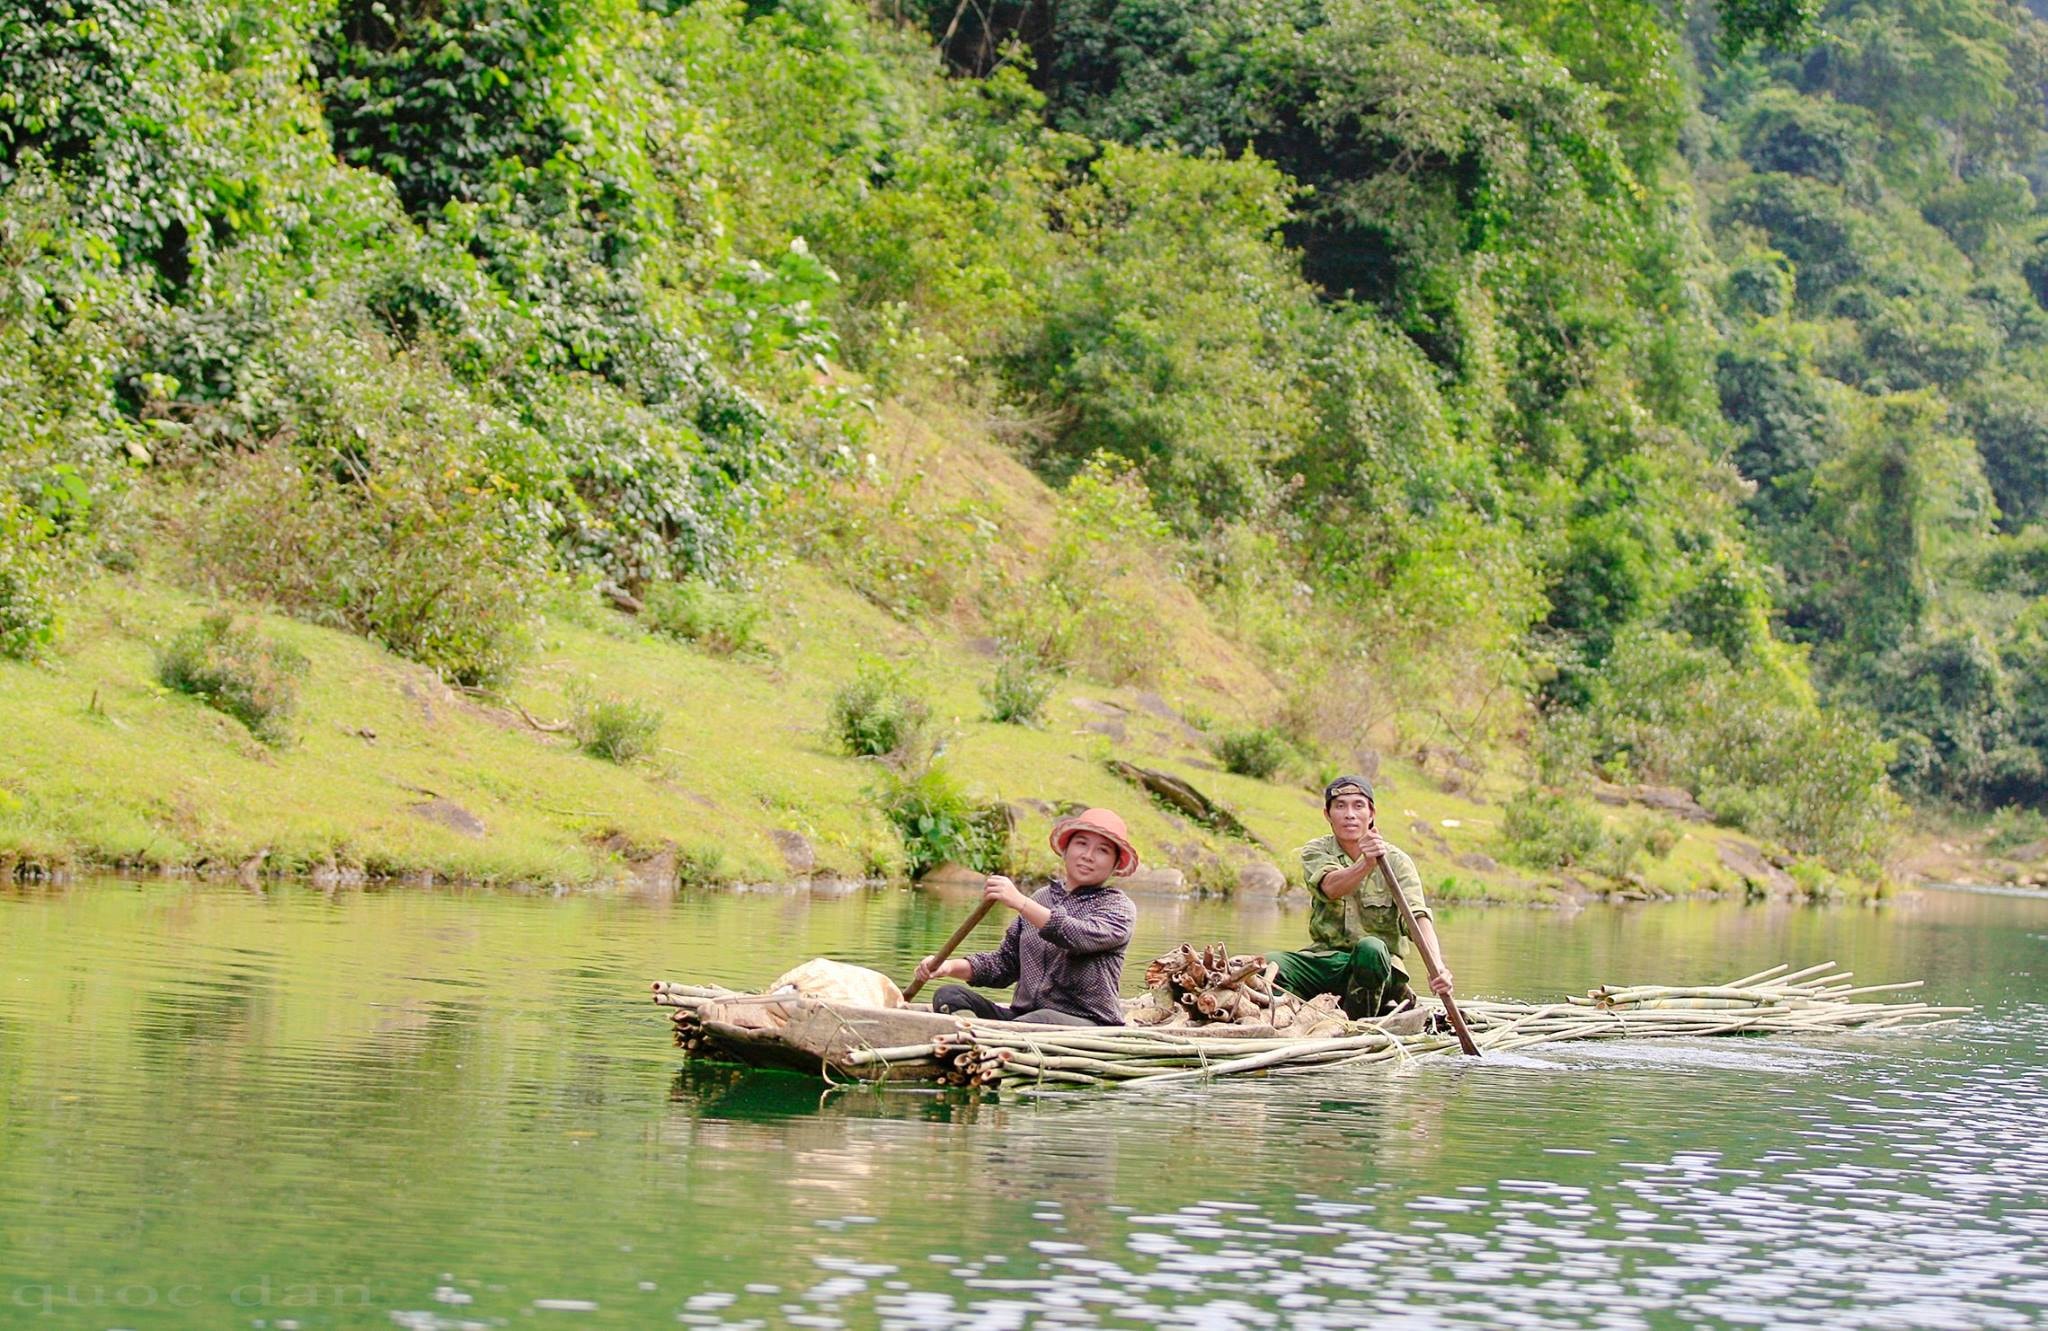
840, 1042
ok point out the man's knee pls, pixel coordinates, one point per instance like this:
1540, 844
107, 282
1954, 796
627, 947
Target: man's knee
1370, 958
1295, 975
953, 998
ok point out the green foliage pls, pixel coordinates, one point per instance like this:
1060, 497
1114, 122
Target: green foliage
721, 622
1725, 604
237, 670
65, 310
2008, 418
1440, 150
1780, 23
1982, 214
28, 611
2013, 827
411, 557
1093, 604
1899, 500
613, 728
940, 824
1814, 881
1629, 51
90, 89
1175, 343
1912, 344
1949, 710
437, 96
877, 713
1400, 520
2015, 565
1805, 136
1748, 740
1604, 582
639, 499
1019, 690
775, 309
1811, 224
1915, 66
1761, 284
1254, 751
926, 197
1547, 830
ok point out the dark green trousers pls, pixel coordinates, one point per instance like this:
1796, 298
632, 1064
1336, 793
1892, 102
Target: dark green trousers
1363, 979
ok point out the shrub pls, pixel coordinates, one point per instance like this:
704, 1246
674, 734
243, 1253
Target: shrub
887, 538
877, 713
939, 823
1176, 342
416, 559
1546, 830
1815, 882
2015, 826
1809, 223
1618, 853
613, 728
1748, 740
1018, 691
1109, 578
1256, 751
236, 670
648, 502
699, 866
28, 613
721, 622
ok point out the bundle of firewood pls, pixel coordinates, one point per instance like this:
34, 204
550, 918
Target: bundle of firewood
1187, 987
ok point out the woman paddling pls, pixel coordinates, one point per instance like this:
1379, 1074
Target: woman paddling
1065, 949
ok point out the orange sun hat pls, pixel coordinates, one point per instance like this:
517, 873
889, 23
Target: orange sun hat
1103, 823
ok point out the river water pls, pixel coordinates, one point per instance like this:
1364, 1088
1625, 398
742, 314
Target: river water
437, 1109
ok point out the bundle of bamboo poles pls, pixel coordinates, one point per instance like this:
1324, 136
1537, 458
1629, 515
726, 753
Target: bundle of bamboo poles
683, 1001
985, 1055
1812, 1001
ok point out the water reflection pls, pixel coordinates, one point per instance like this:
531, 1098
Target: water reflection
441, 1109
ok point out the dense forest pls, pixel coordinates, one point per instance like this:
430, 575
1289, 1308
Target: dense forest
1662, 386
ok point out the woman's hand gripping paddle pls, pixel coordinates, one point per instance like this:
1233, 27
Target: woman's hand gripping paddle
959, 937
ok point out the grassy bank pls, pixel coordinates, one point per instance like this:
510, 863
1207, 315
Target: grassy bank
390, 773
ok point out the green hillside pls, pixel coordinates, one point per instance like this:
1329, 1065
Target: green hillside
577, 405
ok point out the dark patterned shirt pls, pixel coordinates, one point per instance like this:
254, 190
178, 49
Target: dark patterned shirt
1075, 963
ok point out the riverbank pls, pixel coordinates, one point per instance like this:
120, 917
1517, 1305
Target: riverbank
393, 775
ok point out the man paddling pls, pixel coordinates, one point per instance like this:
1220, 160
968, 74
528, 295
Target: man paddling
1065, 950
1353, 925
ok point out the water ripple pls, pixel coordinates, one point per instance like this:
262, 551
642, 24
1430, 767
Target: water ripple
451, 1110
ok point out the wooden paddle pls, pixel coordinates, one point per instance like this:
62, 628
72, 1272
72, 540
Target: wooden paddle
1431, 963
959, 937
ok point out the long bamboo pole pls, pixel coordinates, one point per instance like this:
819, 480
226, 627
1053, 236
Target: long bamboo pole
959, 937
1431, 963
